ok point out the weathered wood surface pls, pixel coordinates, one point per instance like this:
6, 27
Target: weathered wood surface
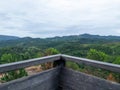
27, 63
74, 80
36, 61
94, 63
65, 79
47, 80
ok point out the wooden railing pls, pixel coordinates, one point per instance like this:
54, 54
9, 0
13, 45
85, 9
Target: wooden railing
59, 77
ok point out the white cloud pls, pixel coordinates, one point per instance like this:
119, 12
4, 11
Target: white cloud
43, 18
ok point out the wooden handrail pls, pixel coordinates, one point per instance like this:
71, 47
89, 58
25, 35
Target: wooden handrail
94, 63
27, 63
58, 57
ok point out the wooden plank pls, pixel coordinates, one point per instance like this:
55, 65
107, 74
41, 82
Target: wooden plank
74, 80
47, 80
27, 63
94, 63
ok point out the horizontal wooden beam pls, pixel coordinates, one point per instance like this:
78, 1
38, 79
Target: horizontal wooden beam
94, 63
52, 58
27, 63
45, 80
75, 80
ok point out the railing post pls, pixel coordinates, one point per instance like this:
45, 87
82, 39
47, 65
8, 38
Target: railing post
60, 62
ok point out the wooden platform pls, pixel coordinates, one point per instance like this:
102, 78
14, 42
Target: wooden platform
59, 77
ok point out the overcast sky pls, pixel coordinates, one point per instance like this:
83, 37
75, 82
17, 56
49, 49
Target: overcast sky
48, 18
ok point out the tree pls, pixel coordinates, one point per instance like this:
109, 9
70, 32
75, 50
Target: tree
97, 55
117, 60
6, 58
73, 65
101, 56
49, 51
11, 75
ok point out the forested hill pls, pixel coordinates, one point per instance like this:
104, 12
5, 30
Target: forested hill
7, 41
4, 38
86, 36
101, 48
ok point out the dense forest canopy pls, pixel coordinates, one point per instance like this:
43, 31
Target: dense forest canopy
77, 45
102, 48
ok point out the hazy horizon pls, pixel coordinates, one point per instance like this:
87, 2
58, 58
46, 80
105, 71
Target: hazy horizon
50, 18
59, 36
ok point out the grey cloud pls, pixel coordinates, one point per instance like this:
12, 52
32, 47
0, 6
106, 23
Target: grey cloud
43, 18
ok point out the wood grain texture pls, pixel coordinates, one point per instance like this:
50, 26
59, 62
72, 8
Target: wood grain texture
27, 63
47, 80
74, 80
94, 63
59, 77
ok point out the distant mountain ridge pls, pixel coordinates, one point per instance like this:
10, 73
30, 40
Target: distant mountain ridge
5, 37
9, 41
85, 36
98, 36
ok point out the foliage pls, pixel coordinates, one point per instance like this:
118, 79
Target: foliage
51, 51
97, 55
11, 75
72, 65
117, 60
102, 48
